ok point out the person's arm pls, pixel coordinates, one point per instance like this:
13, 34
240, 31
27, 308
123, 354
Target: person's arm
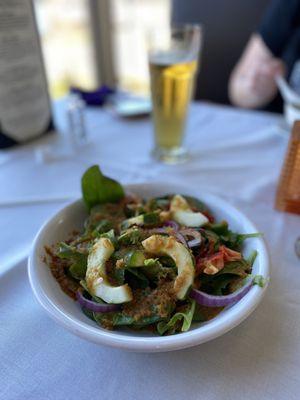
252, 82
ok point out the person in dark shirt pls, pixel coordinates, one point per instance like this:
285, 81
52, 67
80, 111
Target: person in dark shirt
272, 50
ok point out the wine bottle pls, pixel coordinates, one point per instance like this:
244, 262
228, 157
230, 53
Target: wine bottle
25, 111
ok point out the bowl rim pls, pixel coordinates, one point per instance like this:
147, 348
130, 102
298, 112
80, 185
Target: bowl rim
206, 331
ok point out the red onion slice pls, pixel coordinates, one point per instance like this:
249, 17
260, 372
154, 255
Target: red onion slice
159, 230
181, 238
167, 231
172, 224
192, 233
93, 306
210, 300
194, 243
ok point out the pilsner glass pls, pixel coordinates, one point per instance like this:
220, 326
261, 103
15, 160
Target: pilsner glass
173, 62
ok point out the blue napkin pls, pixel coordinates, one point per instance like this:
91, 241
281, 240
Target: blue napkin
97, 97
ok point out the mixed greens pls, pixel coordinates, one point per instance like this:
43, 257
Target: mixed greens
158, 264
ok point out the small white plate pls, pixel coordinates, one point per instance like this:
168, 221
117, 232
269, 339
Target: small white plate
132, 107
68, 313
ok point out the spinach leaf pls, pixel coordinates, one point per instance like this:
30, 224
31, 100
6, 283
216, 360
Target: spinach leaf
120, 253
220, 228
232, 272
211, 239
118, 274
120, 319
66, 251
98, 189
130, 236
78, 260
217, 284
230, 239
235, 240
142, 322
136, 278
238, 267
102, 227
104, 318
78, 268
198, 316
154, 270
221, 284
167, 261
88, 313
186, 318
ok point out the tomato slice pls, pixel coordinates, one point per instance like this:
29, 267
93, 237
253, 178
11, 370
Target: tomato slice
230, 255
217, 260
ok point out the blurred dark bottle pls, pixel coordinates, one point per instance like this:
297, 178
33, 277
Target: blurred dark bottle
25, 111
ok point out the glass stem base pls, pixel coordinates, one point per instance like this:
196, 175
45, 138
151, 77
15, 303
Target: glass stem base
176, 155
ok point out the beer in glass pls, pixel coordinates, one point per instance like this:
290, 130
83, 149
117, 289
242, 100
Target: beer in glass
173, 65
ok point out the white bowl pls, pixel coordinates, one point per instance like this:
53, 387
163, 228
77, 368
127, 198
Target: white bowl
68, 313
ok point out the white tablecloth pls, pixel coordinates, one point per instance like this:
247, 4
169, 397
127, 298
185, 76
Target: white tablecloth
236, 154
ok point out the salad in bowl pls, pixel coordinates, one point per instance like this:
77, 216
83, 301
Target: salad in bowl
158, 264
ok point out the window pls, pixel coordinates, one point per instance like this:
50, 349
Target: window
132, 20
64, 28
87, 42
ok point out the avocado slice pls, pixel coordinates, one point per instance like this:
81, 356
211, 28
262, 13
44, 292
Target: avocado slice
184, 215
96, 278
168, 246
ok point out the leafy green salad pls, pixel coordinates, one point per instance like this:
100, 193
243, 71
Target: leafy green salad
158, 264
